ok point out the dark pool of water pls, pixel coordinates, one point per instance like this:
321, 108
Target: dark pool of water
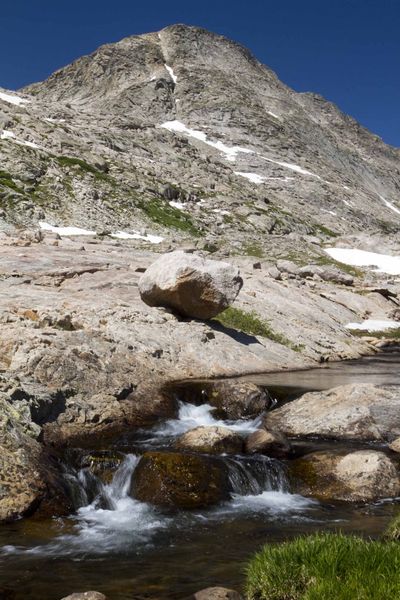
145, 554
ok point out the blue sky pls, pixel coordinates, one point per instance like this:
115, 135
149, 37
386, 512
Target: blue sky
346, 50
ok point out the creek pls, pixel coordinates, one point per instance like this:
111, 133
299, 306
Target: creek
130, 550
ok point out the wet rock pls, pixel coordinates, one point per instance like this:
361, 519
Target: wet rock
352, 412
236, 399
179, 480
85, 596
192, 286
267, 442
360, 476
210, 440
216, 593
395, 445
89, 421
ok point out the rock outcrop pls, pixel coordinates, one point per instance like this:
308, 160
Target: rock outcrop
359, 476
352, 412
190, 285
270, 443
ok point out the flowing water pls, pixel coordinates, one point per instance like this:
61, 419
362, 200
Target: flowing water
130, 550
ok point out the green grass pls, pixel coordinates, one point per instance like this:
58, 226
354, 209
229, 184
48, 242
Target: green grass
252, 249
393, 530
7, 180
325, 567
325, 230
327, 261
162, 213
71, 161
385, 334
250, 322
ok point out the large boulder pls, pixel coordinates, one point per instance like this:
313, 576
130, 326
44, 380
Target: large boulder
210, 440
360, 476
85, 596
191, 285
235, 399
352, 412
179, 480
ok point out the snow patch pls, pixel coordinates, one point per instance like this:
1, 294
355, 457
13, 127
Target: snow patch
51, 120
9, 135
172, 74
13, 99
123, 235
384, 263
71, 230
230, 152
179, 205
291, 166
374, 325
253, 177
389, 205
273, 115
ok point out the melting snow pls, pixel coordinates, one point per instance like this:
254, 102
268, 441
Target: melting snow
65, 230
9, 135
229, 151
179, 205
13, 99
273, 115
253, 177
389, 205
122, 235
361, 258
51, 120
292, 167
172, 74
374, 325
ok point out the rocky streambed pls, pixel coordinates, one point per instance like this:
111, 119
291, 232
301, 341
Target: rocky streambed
129, 548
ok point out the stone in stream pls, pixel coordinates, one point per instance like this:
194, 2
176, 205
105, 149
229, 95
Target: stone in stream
191, 285
353, 412
179, 480
360, 476
395, 445
85, 596
235, 399
216, 593
210, 440
267, 442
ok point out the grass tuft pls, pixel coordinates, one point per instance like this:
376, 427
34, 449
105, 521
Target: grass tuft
385, 334
162, 213
325, 567
393, 529
250, 322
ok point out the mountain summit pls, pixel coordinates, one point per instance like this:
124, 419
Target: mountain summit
183, 133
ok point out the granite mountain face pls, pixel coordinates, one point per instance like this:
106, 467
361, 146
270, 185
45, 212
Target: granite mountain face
184, 134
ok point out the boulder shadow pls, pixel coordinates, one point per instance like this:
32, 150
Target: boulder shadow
238, 336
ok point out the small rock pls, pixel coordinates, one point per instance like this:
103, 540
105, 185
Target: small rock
85, 596
395, 445
267, 442
216, 593
210, 440
257, 265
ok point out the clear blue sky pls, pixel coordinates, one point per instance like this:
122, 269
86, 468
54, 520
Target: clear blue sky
346, 50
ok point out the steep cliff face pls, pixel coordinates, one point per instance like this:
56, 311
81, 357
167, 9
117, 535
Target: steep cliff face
183, 133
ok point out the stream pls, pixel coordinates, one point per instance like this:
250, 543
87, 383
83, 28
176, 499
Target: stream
130, 550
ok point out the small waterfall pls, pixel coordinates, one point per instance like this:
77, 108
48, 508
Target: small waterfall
253, 476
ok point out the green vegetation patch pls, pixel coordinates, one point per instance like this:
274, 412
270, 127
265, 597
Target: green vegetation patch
7, 180
385, 334
325, 567
393, 530
162, 213
324, 230
252, 249
70, 161
252, 324
331, 262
